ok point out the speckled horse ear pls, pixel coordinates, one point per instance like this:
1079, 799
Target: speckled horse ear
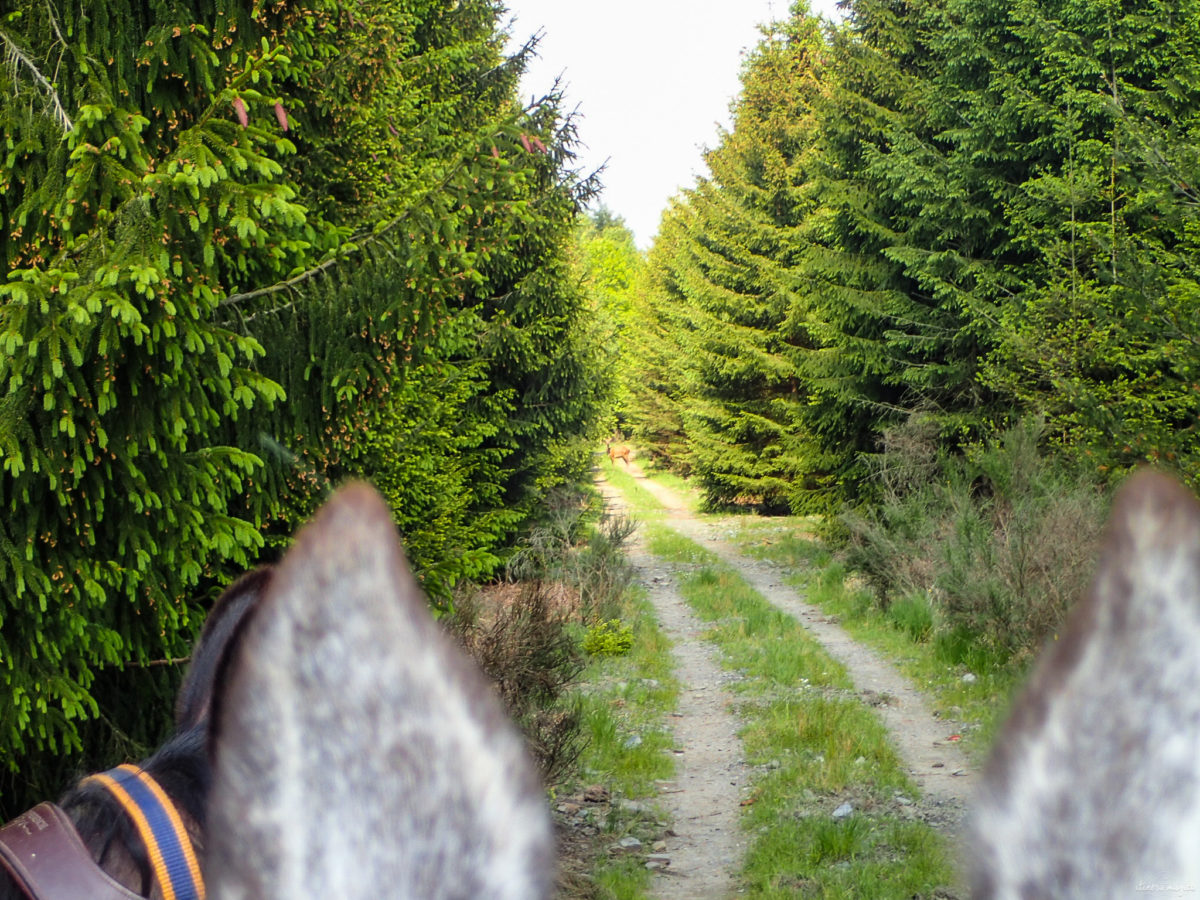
1093, 790
357, 752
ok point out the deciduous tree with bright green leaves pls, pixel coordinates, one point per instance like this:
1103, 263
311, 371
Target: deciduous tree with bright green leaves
611, 267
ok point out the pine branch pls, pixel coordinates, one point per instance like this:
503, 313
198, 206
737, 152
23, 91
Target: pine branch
151, 663
357, 243
54, 22
370, 237
283, 285
13, 56
155, 663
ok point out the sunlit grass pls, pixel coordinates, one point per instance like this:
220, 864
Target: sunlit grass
906, 632
628, 701
679, 485
817, 746
668, 544
621, 878
641, 503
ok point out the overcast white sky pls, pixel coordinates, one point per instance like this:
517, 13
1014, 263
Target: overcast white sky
652, 80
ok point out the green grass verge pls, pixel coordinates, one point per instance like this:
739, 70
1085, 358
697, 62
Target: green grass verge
816, 747
627, 702
642, 503
679, 485
625, 707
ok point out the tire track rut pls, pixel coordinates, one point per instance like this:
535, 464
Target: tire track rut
707, 848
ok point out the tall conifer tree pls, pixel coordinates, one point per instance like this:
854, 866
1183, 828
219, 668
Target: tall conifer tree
250, 251
721, 276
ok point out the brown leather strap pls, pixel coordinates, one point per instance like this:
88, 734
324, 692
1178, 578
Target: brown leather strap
42, 850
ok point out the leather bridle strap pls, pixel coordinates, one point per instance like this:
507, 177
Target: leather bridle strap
172, 857
43, 852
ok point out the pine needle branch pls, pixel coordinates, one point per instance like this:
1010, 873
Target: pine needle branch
14, 56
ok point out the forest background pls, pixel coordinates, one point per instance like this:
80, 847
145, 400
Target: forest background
250, 251
939, 289
942, 276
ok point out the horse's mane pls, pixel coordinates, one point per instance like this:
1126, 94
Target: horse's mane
181, 766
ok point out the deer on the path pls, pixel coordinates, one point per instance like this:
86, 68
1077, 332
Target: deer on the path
620, 451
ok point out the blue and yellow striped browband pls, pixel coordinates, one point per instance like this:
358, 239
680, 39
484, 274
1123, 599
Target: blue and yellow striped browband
172, 856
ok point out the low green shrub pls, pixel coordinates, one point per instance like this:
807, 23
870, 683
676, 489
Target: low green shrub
985, 550
609, 637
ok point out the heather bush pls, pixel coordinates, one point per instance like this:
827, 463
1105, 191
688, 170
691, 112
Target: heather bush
527, 651
525, 636
583, 547
985, 550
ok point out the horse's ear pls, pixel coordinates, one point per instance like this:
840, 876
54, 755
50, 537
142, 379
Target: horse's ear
220, 630
1094, 786
357, 752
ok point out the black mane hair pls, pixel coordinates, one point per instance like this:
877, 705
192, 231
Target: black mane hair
181, 766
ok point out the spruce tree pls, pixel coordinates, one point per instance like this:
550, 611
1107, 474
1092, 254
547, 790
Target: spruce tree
719, 282
248, 253
650, 350
1097, 104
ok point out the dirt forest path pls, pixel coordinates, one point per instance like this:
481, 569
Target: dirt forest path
706, 850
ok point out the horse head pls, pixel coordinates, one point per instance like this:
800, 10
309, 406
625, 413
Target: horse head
332, 742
